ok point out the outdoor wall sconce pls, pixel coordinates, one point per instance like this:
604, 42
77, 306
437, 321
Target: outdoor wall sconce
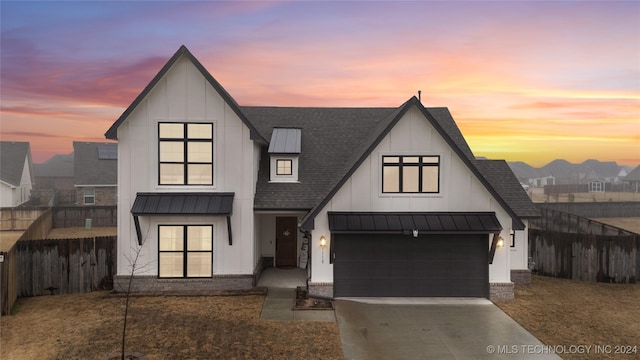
323, 244
500, 241
415, 233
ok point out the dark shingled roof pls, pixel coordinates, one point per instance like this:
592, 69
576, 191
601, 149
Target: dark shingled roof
13, 155
183, 204
329, 138
335, 141
633, 176
89, 169
406, 222
507, 185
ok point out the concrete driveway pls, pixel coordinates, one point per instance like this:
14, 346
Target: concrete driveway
412, 328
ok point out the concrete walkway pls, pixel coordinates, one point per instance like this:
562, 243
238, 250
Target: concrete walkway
278, 305
428, 328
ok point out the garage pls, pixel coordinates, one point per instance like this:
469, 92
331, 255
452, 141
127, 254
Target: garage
411, 254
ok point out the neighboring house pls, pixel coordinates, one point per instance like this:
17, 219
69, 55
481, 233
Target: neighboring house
95, 173
16, 173
633, 179
55, 173
371, 201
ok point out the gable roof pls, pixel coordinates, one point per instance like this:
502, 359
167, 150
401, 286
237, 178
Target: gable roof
60, 165
13, 154
112, 133
89, 169
335, 142
504, 181
634, 175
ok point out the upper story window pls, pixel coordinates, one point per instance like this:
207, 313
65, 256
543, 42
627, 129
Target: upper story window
284, 166
89, 196
411, 174
185, 153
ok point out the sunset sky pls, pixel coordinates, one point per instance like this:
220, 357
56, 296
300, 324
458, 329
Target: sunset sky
530, 81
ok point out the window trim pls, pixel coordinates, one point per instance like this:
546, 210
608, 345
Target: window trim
185, 251
185, 140
400, 165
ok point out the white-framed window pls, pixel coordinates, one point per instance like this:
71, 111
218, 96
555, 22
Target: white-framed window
185, 251
89, 196
283, 168
411, 174
185, 153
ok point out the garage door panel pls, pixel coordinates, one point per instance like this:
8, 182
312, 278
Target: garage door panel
396, 265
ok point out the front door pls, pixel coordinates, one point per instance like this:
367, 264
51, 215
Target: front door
286, 241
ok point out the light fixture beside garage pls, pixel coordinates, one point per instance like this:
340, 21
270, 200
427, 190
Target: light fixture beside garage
323, 244
500, 241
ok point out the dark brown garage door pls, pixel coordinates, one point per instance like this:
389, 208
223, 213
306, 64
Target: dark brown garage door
400, 265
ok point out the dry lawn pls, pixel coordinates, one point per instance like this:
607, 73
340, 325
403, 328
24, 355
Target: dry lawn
569, 312
88, 326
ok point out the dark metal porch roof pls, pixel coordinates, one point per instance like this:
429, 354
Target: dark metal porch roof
406, 222
183, 204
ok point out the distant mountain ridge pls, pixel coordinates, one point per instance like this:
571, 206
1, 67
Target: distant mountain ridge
571, 173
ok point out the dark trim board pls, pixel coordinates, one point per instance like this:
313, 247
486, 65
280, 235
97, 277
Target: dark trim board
387, 265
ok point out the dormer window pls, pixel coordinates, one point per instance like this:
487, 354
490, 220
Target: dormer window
284, 167
284, 150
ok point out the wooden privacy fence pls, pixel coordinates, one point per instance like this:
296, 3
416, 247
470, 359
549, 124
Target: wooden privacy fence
18, 218
8, 281
579, 256
75, 216
65, 266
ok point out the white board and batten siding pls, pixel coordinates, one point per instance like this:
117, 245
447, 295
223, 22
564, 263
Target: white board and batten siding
184, 95
460, 190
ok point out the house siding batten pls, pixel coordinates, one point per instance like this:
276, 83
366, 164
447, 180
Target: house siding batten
183, 95
460, 191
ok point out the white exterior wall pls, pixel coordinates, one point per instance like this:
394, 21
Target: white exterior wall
184, 95
10, 195
520, 253
6, 195
460, 190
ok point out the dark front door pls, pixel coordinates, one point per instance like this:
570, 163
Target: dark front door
286, 241
400, 265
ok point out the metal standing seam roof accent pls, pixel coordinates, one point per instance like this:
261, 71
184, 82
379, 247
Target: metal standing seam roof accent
285, 141
406, 222
183, 204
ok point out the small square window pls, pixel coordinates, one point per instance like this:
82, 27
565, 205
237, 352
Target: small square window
284, 167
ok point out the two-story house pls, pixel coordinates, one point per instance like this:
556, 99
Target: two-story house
371, 201
95, 173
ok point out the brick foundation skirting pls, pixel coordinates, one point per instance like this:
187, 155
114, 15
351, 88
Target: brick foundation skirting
521, 276
155, 285
321, 289
501, 291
